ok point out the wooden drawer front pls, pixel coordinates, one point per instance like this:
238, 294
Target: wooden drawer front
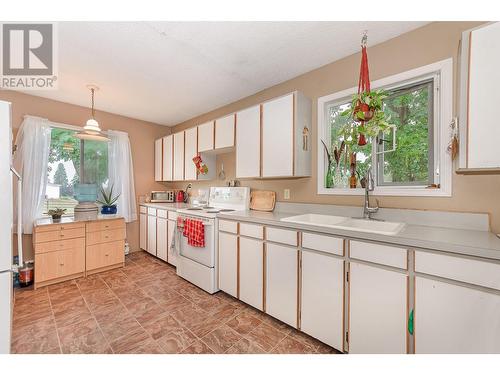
105, 225
252, 230
285, 236
55, 227
228, 226
151, 211
74, 243
332, 245
105, 254
162, 213
57, 264
371, 252
461, 269
143, 209
105, 236
172, 215
61, 234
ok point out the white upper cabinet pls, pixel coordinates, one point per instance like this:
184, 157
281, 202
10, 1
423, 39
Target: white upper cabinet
158, 159
190, 152
178, 156
206, 137
248, 143
480, 76
168, 158
224, 132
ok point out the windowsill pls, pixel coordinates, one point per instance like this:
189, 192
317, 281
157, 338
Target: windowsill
389, 191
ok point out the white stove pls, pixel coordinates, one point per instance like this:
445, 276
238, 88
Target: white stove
199, 264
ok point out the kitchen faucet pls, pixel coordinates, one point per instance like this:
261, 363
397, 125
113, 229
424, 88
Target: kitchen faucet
369, 186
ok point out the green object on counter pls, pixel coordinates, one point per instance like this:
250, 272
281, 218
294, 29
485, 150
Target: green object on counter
410, 323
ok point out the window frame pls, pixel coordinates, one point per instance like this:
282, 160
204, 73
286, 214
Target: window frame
442, 74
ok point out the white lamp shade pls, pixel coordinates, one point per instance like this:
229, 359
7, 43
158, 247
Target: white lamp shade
92, 126
91, 136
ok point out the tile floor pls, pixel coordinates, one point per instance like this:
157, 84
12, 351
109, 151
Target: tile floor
146, 308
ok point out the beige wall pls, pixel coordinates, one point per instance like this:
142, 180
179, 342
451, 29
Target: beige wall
142, 135
431, 43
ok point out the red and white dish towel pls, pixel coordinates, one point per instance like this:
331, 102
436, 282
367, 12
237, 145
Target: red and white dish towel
194, 230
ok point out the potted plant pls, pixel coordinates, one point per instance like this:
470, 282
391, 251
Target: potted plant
108, 201
56, 214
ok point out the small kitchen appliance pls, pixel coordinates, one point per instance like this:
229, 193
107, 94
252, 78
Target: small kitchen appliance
164, 196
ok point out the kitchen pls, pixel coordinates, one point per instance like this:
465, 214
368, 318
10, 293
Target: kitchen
278, 218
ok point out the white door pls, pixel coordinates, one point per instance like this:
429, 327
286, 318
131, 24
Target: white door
248, 143
228, 263
453, 319
190, 151
5, 311
179, 156
322, 306
206, 136
377, 310
277, 137
168, 158
162, 239
252, 272
281, 283
143, 232
224, 132
151, 235
172, 254
158, 159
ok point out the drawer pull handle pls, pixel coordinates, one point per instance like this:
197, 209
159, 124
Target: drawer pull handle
61, 235
61, 264
107, 255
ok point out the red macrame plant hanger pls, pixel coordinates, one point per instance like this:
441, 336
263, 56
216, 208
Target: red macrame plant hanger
363, 86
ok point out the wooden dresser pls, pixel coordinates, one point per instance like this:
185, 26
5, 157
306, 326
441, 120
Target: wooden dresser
69, 250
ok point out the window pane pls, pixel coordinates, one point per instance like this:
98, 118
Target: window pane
411, 110
95, 162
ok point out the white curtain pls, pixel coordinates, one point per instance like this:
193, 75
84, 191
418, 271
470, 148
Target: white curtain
31, 160
121, 174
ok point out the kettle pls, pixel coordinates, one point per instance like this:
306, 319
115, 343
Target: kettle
182, 195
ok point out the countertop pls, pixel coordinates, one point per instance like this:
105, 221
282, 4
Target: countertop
167, 206
71, 219
476, 243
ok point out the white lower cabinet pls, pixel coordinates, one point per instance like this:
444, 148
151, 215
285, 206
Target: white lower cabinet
281, 282
228, 263
251, 272
455, 319
322, 300
151, 248
143, 230
162, 239
377, 310
172, 254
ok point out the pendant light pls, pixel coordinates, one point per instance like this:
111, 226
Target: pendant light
91, 130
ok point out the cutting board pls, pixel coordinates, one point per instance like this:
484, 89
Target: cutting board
262, 200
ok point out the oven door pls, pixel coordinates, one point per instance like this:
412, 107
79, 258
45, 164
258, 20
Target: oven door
203, 255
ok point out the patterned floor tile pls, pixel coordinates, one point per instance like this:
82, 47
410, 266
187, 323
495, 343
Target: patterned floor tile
266, 337
244, 323
245, 346
198, 347
93, 343
292, 346
221, 339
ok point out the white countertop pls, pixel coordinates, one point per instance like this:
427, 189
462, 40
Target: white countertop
71, 219
167, 206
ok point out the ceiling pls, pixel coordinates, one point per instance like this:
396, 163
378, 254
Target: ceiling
169, 72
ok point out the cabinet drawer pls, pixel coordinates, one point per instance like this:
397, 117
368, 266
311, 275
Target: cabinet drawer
172, 215
327, 244
461, 269
381, 254
61, 234
58, 264
285, 236
151, 211
74, 243
105, 224
55, 227
104, 255
252, 230
143, 209
105, 236
228, 226
162, 213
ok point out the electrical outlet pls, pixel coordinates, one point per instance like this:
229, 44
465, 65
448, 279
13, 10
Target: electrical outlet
286, 194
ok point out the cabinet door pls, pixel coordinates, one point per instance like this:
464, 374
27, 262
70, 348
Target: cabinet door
224, 132
172, 254
281, 283
277, 137
190, 152
158, 159
248, 143
179, 156
151, 235
168, 158
228, 263
322, 306
455, 319
377, 310
206, 136
162, 239
252, 272
143, 234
